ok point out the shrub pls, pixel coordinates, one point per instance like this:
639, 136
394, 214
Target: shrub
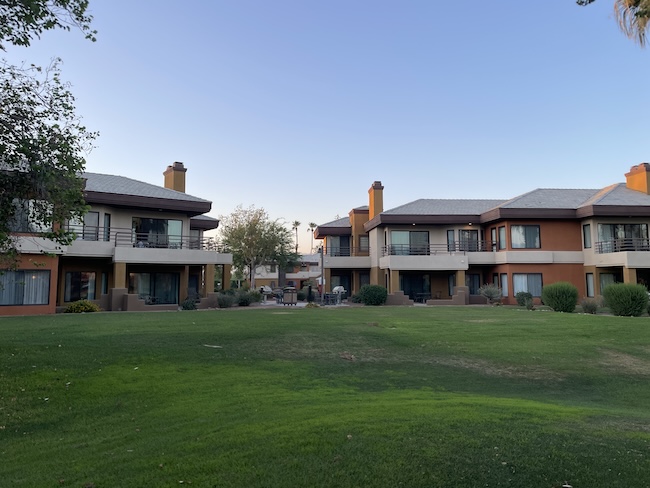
302, 295
490, 291
373, 295
589, 305
626, 299
355, 299
82, 306
561, 296
244, 299
524, 299
255, 295
188, 304
225, 300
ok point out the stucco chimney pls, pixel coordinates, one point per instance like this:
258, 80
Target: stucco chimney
639, 178
376, 199
175, 177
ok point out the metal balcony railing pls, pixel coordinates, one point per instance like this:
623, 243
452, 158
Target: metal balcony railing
433, 249
124, 237
346, 251
620, 245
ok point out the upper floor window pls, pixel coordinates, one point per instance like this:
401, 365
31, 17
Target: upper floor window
364, 244
525, 236
158, 232
586, 236
86, 228
404, 242
468, 240
502, 237
24, 218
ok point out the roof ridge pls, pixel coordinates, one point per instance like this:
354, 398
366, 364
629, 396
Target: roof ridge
600, 194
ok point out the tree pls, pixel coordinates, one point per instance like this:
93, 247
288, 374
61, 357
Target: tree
256, 240
632, 17
41, 138
294, 227
312, 227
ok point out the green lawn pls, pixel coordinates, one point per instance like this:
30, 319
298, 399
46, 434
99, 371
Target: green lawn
328, 397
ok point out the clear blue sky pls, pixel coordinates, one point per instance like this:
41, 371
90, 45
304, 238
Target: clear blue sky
297, 106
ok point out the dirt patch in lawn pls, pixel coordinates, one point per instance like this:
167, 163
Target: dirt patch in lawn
625, 363
492, 369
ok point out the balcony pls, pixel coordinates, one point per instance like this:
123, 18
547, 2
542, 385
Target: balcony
346, 257
454, 248
125, 245
623, 245
451, 256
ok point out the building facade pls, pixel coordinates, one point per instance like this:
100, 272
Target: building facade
139, 247
441, 251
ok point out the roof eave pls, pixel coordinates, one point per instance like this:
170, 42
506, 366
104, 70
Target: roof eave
134, 201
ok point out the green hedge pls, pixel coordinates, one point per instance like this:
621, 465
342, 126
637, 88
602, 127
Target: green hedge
561, 296
626, 299
372, 295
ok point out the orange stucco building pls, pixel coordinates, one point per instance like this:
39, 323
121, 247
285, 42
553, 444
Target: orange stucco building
440, 251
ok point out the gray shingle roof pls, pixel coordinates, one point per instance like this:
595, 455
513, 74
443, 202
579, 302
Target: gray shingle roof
426, 206
551, 198
120, 185
619, 194
344, 222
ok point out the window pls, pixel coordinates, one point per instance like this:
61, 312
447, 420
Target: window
468, 240
107, 227
606, 279
195, 238
164, 233
364, 279
155, 287
404, 242
532, 283
493, 238
504, 284
590, 284
79, 285
25, 287
451, 284
451, 240
473, 281
23, 221
364, 244
338, 246
87, 228
586, 236
525, 236
502, 238
622, 237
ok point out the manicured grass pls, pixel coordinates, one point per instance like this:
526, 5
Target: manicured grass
338, 397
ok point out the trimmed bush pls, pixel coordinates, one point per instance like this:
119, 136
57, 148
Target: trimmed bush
589, 305
490, 291
561, 296
524, 299
225, 300
626, 299
188, 304
244, 299
302, 295
373, 295
256, 296
82, 306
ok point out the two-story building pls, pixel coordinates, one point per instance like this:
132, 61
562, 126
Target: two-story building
437, 250
308, 270
139, 247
